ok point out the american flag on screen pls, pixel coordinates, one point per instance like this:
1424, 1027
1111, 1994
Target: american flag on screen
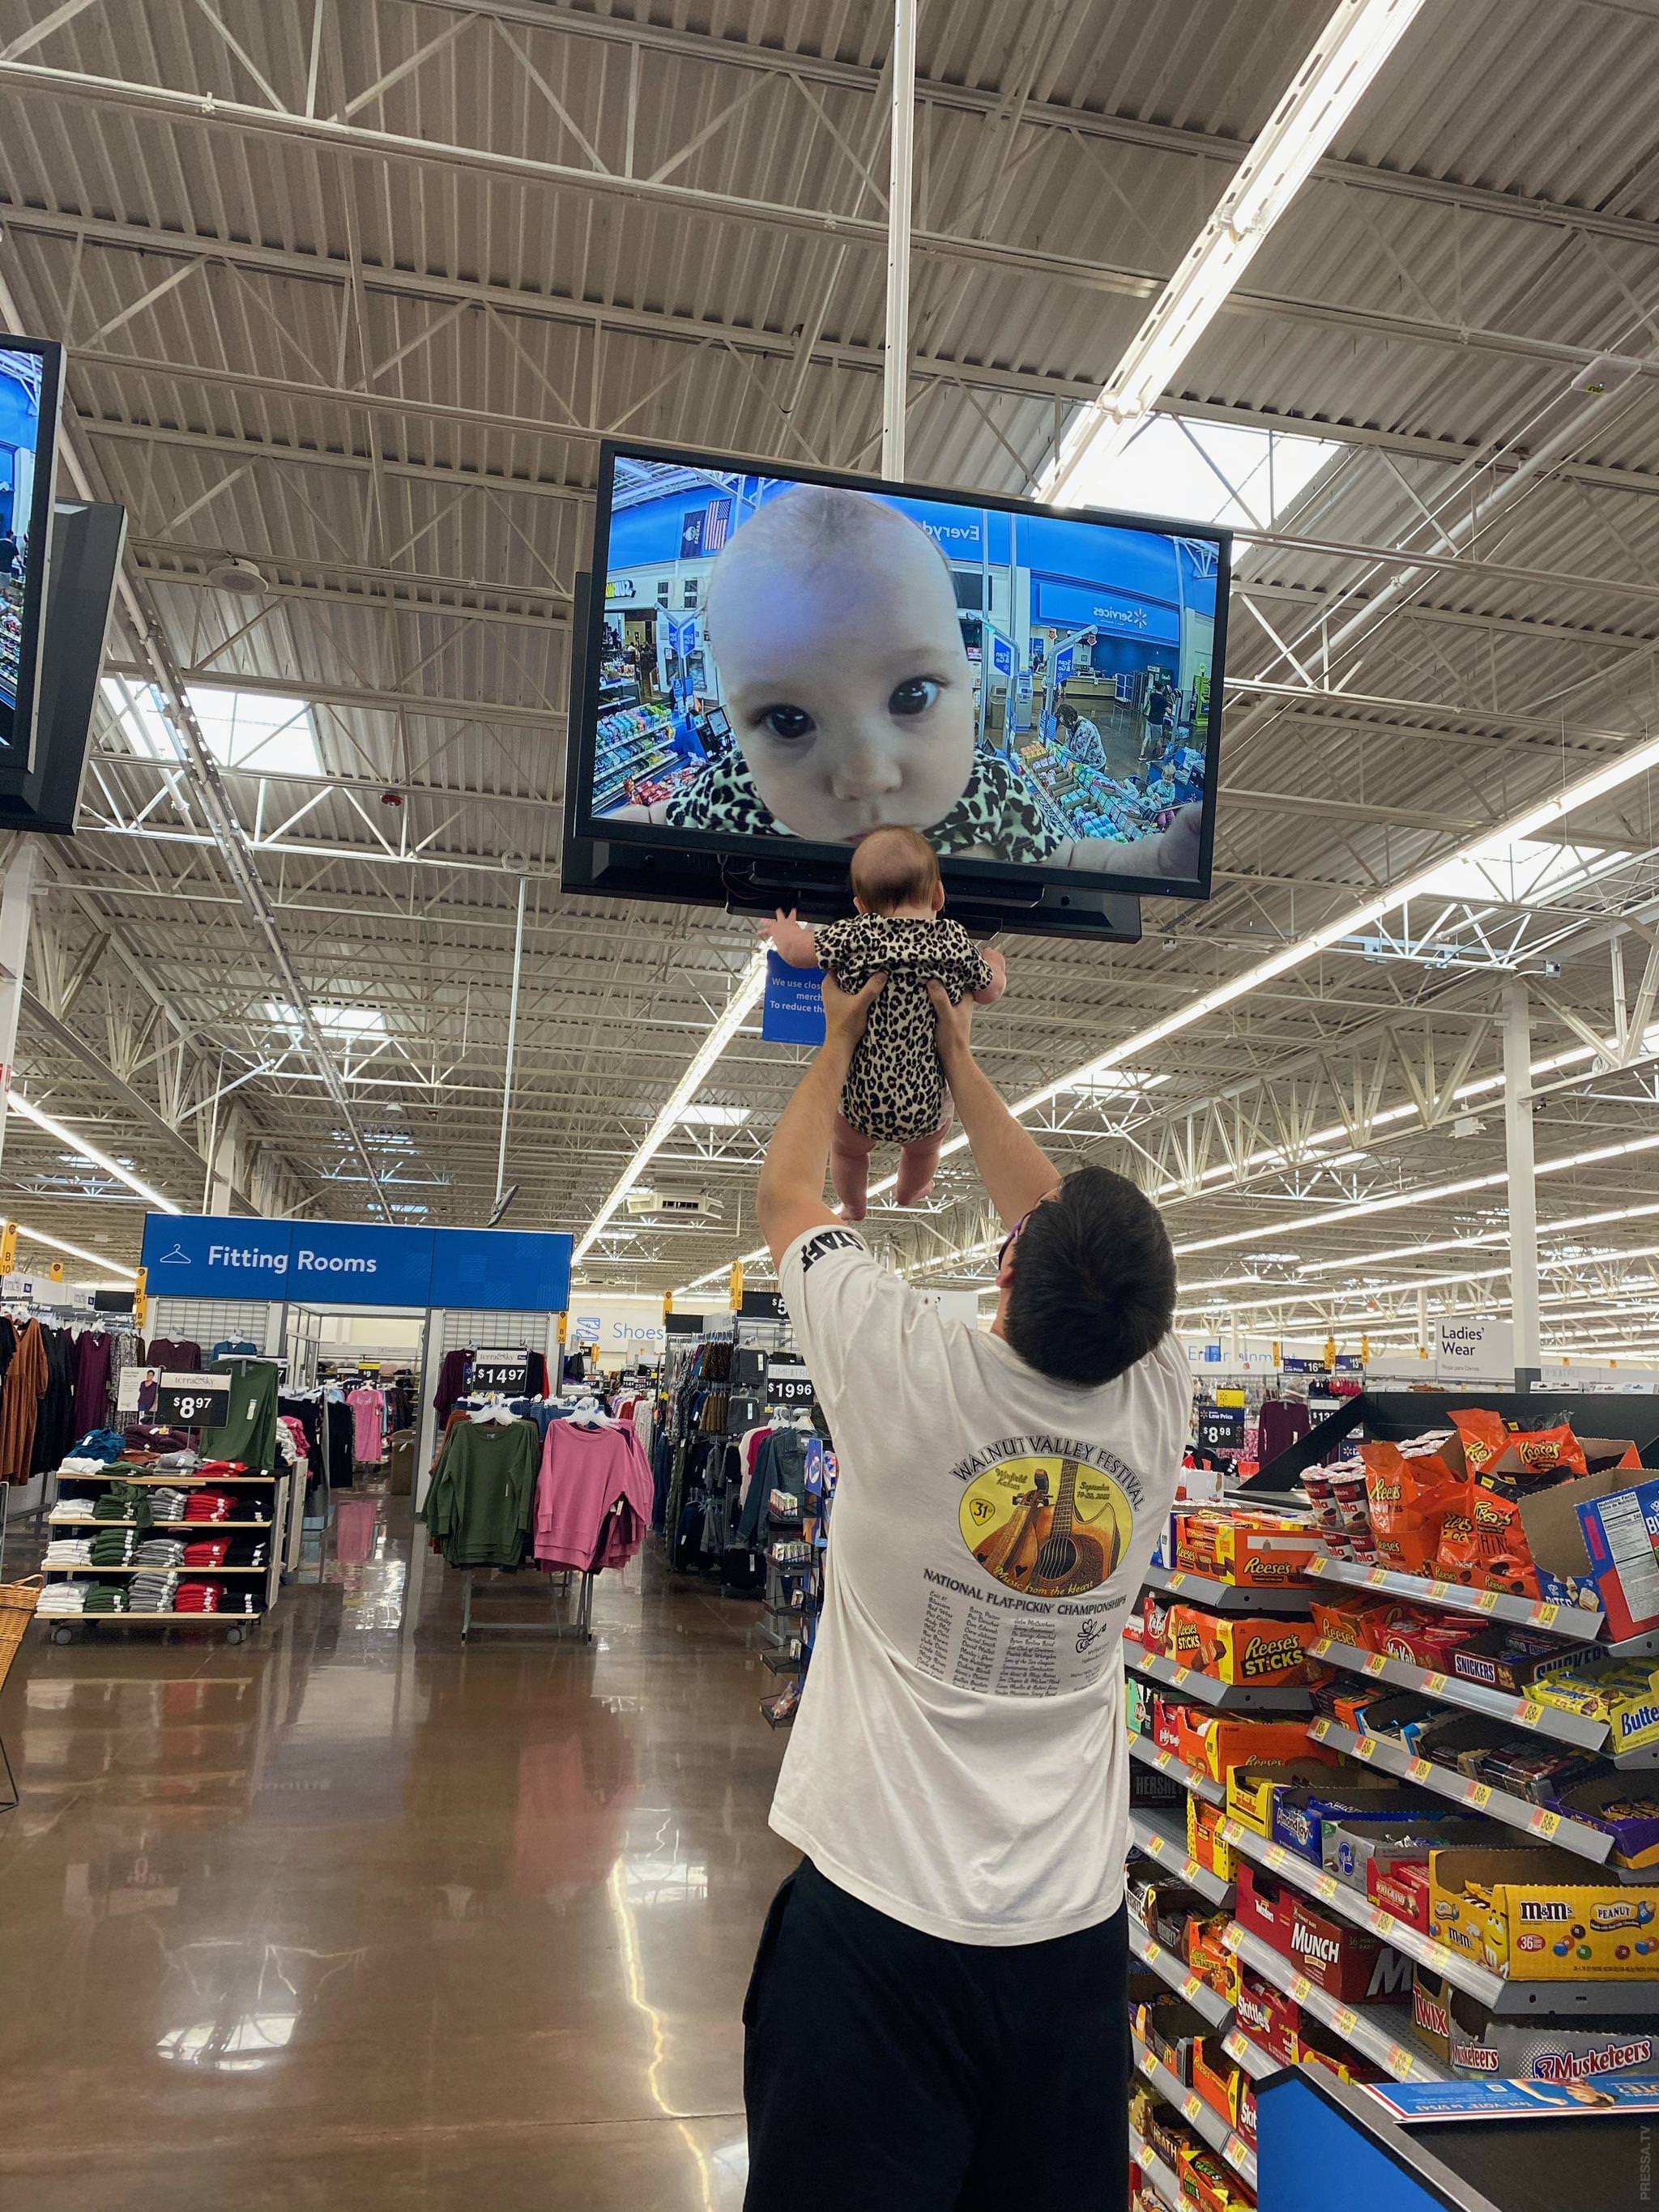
716, 525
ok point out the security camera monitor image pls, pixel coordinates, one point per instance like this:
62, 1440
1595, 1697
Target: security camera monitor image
30, 383
781, 663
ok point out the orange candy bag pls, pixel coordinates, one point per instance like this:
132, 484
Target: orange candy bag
1408, 1500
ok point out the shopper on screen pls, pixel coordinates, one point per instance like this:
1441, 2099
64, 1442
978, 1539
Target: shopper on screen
938, 2016
896, 1092
832, 618
1079, 736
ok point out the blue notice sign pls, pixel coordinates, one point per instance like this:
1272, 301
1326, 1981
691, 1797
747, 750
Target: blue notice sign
364, 1263
1065, 660
500, 1270
1002, 654
793, 1009
216, 1255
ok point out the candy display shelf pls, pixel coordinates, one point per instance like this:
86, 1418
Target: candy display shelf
1226, 1597
1225, 1696
1576, 1836
1223, 2140
1213, 2007
1498, 1705
1191, 1779
1546, 2000
1256, 2062
1168, 1845
1378, 2033
1157, 2174
1581, 1622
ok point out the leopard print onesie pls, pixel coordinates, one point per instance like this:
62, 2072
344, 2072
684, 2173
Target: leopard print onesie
895, 1086
996, 810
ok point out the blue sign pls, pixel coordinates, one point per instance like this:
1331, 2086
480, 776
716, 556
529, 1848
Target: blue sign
382, 1265
683, 635
344, 1263
1065, 660
1105, 610
793, 1010
1212, 1355
1002, 654
500, 1270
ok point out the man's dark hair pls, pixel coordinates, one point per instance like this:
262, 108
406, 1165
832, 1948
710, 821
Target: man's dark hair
1094, 1286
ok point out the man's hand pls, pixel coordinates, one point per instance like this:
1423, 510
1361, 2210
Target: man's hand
846, 1012
952, 1024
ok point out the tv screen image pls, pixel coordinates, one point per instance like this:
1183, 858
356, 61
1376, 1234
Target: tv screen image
30, 384
789, 659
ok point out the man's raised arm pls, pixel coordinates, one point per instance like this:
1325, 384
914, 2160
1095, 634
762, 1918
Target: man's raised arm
790, 1198
1017, 1174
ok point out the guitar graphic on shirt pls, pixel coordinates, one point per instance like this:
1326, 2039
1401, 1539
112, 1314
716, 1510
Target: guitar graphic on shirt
1068, 1560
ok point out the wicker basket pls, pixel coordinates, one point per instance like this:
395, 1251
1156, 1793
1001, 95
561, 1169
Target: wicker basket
17, 1604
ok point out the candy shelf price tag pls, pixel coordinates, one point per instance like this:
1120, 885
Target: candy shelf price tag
1376, 1663
1487, 1602
1530, 1711
1434, 1684
1479, 1796
1344, 2020
1543, 1823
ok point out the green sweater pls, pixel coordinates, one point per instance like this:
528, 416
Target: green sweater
483, 1493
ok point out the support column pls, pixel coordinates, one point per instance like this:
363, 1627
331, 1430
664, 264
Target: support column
15, 895
901, 153
511, 1041
1522, 1183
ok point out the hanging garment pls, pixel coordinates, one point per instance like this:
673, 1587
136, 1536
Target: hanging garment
249, 1433
178, 1356
1283, 1422
452, 1382
19, 1403
54, 1424
369, 1423
95, 1358
586, 1474
339, 1428
479, 1506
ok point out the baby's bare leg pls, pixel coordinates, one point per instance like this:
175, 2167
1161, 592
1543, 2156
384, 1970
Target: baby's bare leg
849, 1168
917, 1163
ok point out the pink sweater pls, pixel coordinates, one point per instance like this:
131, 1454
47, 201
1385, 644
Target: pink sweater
585, 1473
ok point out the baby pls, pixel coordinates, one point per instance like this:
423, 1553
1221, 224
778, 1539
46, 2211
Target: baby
832, 618
896, 1088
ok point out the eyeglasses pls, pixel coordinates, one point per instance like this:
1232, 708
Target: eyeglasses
1012, 1237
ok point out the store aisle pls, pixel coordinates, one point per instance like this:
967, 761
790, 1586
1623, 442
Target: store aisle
356, 1914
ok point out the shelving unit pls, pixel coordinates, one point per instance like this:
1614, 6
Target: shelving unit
1169, 1847
61, 1627
1191, 1778
1179, 1977
1225, 1696
1256, 2062
1479, 1796
1498, 1705
1158, 2174
1549, 2000
1579, 1622
1379, 2032
1228, 1597
1225, 2142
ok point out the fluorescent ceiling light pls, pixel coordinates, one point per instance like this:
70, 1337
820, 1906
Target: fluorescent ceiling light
712, 1117
333, 1021
54, 1127
738, 1007
1325, 90
79, 1252
241, 729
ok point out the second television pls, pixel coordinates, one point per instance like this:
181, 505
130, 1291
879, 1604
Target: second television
777, 662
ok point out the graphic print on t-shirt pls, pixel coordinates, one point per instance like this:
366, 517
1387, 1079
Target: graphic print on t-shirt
1053, 1524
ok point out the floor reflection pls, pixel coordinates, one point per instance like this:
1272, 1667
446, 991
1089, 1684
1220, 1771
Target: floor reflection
356, 1912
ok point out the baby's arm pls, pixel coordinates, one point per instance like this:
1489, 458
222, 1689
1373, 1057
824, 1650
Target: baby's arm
1172, 852
792, 940
988, 993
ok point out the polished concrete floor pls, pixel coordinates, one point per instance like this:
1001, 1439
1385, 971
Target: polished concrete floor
359, 1915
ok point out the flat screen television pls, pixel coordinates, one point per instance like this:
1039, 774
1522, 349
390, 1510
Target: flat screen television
30, 386
769, 664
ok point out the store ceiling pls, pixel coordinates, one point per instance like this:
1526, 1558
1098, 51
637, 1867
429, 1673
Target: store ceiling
353, 289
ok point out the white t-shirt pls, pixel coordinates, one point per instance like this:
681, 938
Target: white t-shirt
959, 1760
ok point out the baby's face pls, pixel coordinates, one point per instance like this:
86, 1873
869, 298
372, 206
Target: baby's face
848, 685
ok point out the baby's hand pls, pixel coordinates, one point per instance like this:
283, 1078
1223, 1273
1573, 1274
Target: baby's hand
790, 939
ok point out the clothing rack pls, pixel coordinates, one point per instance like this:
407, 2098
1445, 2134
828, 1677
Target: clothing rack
579, 1630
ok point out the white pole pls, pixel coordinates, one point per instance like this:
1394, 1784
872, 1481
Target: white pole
15, 901
512, 1040
1522, 1185
901, 148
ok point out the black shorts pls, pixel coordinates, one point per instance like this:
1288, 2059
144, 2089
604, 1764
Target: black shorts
885, 2070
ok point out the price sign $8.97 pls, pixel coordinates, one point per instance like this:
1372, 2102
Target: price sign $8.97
192, 1401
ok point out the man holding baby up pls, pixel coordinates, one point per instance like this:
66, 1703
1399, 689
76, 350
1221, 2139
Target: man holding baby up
937, 2020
